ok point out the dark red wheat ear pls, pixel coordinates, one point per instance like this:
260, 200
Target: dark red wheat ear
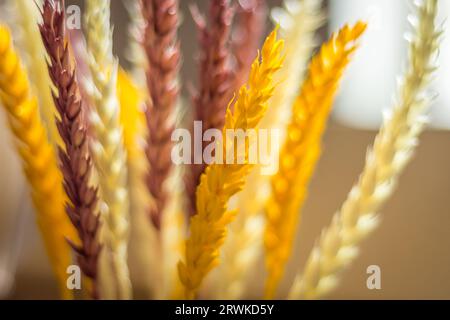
76, 163
163, 53
215, 79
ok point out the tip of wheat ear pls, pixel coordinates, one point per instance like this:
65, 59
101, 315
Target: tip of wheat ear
38, 159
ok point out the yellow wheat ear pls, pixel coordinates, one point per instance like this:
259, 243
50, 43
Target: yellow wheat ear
221, 181
394, 146
301, 149
298, 26
39, 160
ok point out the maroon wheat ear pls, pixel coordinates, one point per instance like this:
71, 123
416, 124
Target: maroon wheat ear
75, 158
247, 36
163, 53
215, 80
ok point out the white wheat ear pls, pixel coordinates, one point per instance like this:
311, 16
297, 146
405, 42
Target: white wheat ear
108, 148
393, 149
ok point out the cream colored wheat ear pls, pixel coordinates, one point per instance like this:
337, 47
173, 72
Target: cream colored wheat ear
393, 148
299, 21
108, 147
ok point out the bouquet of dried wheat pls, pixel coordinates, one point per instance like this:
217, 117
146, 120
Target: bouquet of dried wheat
123, 189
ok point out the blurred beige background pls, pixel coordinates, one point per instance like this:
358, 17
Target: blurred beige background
412, 246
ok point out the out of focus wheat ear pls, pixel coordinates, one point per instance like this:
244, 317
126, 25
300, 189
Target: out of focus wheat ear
393, 149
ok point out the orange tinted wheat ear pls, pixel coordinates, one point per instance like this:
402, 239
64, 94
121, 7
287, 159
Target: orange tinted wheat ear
300, 19
301, 149
215, 81
134, 52
221, 181
39, 160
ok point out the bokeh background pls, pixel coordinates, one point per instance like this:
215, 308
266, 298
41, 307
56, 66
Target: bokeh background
412, 246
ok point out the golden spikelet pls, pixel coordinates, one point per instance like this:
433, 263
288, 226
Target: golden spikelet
38, 158
160, 283
299, 20
221, 181
394, 147
302, 148
298, 30
143, 237
134, 52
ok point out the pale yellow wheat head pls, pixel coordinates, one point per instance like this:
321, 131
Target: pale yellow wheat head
393, 148
108, 148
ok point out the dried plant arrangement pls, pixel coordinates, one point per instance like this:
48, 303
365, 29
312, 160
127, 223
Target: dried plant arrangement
117, 195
